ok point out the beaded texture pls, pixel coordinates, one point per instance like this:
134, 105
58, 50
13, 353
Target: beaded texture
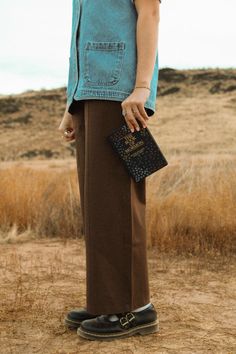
138, 151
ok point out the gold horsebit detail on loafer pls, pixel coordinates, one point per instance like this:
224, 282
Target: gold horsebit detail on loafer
127, 319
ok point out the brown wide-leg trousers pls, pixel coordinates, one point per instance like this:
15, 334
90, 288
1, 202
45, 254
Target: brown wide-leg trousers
113, 211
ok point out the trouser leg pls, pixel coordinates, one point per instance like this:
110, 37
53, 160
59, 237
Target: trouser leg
114, 211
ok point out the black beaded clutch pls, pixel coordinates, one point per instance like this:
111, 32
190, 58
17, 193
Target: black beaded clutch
139, 151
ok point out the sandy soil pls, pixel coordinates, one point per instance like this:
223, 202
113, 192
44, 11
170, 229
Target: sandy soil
42, 280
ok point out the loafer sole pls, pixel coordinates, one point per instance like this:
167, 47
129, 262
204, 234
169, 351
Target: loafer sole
144, 329
71, 324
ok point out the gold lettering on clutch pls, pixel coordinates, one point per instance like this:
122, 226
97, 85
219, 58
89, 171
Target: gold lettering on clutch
134, 147
130, 139
137, 152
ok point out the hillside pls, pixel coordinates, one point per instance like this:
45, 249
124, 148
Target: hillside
196, 112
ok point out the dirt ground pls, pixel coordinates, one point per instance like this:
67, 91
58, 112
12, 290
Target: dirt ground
43, 279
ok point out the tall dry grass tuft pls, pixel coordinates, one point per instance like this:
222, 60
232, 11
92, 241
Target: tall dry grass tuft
45, 202
191, 205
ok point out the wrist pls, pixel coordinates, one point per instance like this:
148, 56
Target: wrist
143, 83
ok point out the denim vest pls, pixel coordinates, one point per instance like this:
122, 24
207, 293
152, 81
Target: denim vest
103, 53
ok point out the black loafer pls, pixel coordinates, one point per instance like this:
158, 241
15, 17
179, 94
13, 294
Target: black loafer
74, 318
128, 324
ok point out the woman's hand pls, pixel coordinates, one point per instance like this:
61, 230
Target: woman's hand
133, 108
66, 127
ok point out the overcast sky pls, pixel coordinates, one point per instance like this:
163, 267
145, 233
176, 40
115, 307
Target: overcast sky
35, 39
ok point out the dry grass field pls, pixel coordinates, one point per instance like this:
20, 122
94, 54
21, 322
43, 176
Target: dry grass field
191, 208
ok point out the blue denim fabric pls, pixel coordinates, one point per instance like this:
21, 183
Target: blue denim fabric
103, 53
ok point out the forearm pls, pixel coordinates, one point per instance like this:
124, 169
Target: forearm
147, 45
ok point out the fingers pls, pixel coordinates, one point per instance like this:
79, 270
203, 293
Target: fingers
66, 127
68, 134
138, 114
130, 120
142, 111
133, 114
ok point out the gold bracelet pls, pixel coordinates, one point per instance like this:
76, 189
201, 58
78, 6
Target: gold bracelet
143, 87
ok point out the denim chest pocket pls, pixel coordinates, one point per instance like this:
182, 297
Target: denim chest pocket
103, 62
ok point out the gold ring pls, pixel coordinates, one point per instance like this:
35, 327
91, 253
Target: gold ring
66, 133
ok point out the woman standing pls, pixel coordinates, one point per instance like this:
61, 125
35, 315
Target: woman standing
113, 77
